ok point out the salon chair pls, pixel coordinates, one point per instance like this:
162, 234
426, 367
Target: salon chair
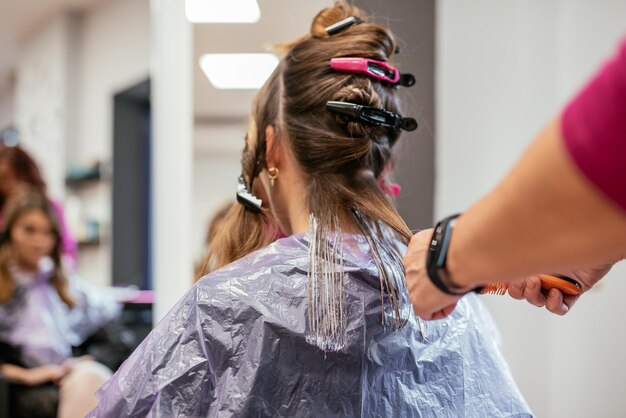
111, 345
4, 398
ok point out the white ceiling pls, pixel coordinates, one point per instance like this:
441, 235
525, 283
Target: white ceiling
281, 21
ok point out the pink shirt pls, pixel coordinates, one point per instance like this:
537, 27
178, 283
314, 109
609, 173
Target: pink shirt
69, 248
594, 128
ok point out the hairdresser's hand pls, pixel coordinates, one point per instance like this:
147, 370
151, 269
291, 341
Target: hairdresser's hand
428, 301
555, 301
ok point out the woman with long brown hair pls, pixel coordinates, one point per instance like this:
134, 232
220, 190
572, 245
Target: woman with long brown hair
43, 313
19, 169
317, 323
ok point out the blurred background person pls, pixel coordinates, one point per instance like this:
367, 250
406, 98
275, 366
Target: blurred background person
18, 168
215, 223
43, 314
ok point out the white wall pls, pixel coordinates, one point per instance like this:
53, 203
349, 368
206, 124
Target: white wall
41, 97
113, 54
67, 74
7, 105
504, 69
217, 153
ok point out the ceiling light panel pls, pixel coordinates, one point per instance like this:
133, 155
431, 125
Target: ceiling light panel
222, 11
238, 71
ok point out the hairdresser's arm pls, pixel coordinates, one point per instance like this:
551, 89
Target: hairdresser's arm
561, 209
544, 217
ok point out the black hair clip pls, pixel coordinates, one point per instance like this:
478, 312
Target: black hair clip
379, 117
246, 198
341, 25
407, 80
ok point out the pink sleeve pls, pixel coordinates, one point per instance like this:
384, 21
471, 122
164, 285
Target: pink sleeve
594, 129
68, 243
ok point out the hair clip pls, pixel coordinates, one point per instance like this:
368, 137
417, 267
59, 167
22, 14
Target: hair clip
379, 70
341, 25
391, 189
246, 198
380, 117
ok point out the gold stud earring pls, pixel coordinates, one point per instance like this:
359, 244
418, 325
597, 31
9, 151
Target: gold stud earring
273, 175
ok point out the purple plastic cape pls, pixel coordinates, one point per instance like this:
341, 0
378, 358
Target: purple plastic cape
42, 327
236, 346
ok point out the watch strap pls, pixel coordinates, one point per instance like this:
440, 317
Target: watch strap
437, 256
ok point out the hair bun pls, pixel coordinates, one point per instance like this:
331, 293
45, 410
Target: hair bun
331, 15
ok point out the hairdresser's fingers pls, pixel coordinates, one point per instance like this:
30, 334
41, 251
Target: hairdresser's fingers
516, 289
435, 316
560, 303
444, 312
570, 300
428, 301
449, 309
533, 293
555, 304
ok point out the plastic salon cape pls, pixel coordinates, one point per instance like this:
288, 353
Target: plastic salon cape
36, 322
235, 346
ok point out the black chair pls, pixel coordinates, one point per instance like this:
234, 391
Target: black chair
38, 401
115, 341
4, 398
111, 345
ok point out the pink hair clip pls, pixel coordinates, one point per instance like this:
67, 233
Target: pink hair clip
379, 70
391, 189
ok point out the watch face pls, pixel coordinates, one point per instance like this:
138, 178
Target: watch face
436, 257
435, 246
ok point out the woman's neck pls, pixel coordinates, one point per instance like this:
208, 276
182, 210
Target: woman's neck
299, 220
24, 266
291, 201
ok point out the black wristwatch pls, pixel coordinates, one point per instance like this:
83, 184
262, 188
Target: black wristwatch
437, 255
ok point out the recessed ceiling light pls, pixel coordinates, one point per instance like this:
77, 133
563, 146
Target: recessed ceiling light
238, 71
222, 11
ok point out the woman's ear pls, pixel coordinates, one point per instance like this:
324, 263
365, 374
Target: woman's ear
273, 147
